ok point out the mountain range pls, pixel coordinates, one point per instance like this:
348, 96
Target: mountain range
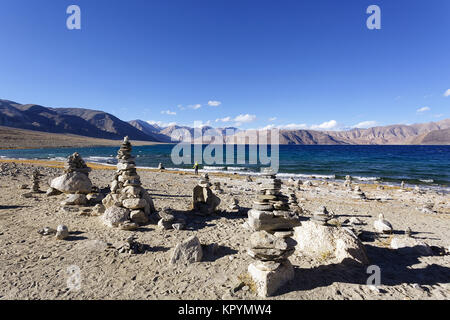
100, 124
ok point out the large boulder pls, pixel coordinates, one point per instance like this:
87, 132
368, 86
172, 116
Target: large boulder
329, 242
73, 182
114, 216
188, 251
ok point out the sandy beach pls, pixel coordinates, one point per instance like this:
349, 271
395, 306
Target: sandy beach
33, 266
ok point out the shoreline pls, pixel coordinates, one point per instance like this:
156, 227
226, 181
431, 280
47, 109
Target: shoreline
233, 175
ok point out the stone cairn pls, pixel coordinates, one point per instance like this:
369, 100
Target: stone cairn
128, 205
204, 201
348, 181
358, 193
36, 179
321, 216
76, 164
293, 203
74, 182
270, 244
234, 206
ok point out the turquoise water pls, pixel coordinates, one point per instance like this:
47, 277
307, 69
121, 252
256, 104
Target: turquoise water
423, 165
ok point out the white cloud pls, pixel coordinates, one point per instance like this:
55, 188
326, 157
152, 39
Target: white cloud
214, 103
245, 118
273, 119
328, 125
168, 112
423, 109
447, 93
226, 119
195, 106
293, 126
365, 124
268, 127
161, 123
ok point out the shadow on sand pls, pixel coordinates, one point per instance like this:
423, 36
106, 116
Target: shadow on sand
395, 265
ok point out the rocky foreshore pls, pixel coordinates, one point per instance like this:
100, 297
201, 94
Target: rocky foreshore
183, 255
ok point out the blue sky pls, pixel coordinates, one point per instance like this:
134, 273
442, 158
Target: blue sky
298, 63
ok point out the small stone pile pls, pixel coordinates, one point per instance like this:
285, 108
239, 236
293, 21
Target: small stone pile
217, 187
322, 216
234, 206
76, 164
36, 180
75, 179
293, 203
358, 194
270, 244
348, 181
128, 205
131, 246
204, 201
169, 221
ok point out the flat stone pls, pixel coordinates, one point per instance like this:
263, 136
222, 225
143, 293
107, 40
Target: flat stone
134, 203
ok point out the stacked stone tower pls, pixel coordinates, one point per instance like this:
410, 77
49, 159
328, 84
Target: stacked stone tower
270, 244
36, 180
204, 201
128, 201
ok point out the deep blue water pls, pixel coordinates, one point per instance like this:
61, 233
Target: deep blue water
426, 165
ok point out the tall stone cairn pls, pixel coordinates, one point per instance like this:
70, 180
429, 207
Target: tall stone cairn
128, 201
270, 244
36, 179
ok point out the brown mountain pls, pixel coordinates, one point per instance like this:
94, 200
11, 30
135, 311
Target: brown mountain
84, 122
99, 124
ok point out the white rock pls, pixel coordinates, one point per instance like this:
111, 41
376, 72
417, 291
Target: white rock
113, 216
188, 251
269, 280
72, 182
75, 200
134, 203
334, 243
62, 232
411, 246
